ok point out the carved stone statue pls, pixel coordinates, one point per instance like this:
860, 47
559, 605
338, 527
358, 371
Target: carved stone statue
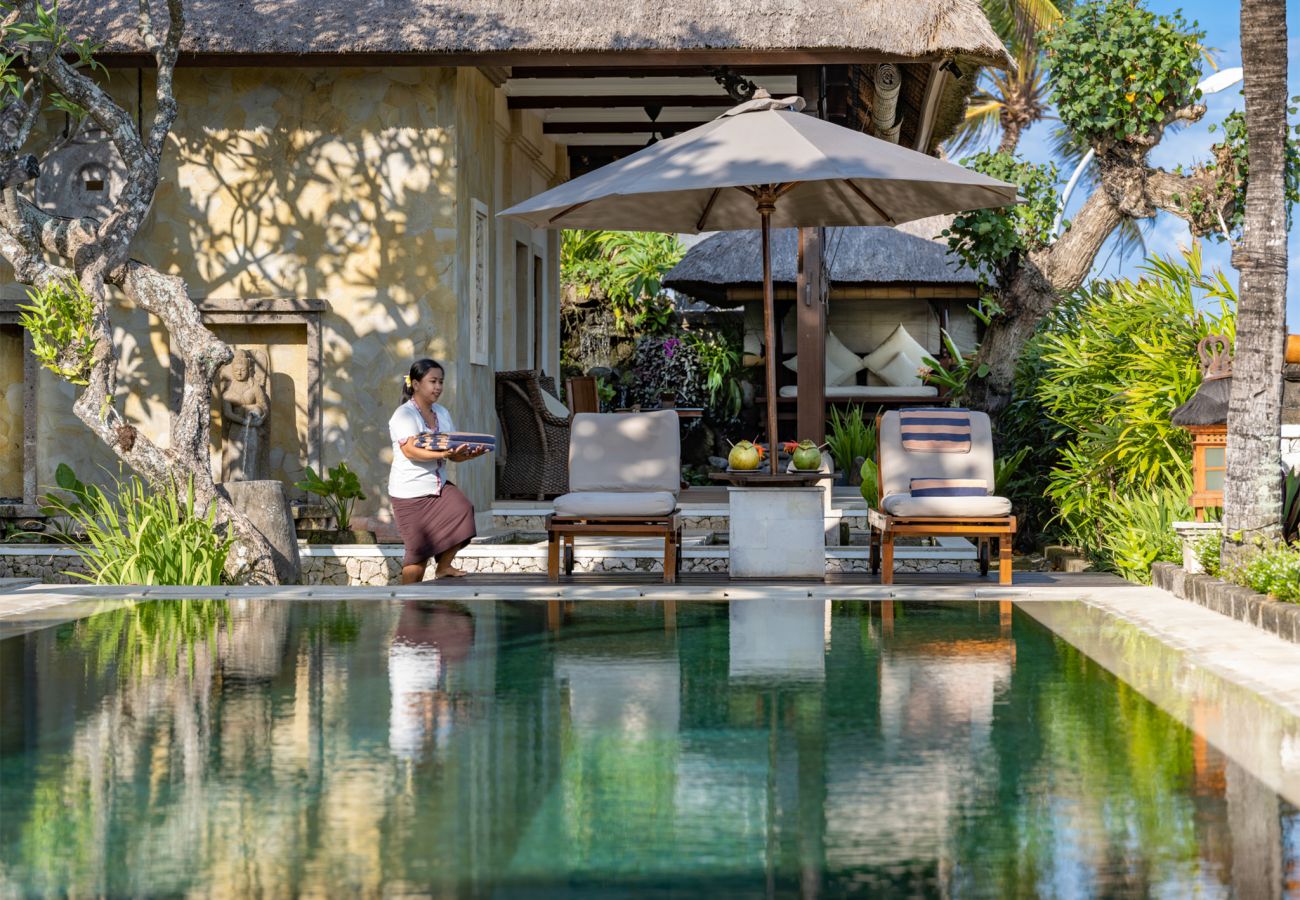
245, 417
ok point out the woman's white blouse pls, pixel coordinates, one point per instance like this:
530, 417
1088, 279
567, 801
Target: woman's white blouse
411, 478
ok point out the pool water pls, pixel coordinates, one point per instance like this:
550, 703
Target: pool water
600, 749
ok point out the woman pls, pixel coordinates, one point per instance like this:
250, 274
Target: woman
435, 518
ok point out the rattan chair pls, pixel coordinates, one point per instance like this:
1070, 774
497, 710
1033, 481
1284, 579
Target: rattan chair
535, 462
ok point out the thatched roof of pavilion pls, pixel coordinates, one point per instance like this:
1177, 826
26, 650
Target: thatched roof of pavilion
1208, 406
868, 255
919, 29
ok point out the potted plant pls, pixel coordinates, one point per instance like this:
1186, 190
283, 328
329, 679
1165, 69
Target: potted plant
851, 441
340, 491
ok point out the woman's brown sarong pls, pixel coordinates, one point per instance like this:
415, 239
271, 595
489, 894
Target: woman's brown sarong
434, 523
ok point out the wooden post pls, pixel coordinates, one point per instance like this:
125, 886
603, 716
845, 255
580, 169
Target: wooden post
810, 313
811, 318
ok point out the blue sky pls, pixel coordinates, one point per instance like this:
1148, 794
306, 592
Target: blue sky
1222, 23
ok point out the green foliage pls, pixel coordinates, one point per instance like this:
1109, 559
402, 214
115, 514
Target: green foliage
1233, 169
1119, 71
991, 242
1136, 530
628, 268
340, 491
1113, 363
45, 29
141, 533
720, 361
1005, 467
1209, 552
954, 379
851, 436
143, 638
1272, 570
60, 319
870, 473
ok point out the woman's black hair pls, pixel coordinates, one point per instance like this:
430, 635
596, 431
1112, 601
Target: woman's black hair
419, 369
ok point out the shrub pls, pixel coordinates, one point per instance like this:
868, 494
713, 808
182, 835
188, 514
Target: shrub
1271, 570
141, 533
61, 322
851, 436
1113, 362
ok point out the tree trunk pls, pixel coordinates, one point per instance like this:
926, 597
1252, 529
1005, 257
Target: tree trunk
1252, 497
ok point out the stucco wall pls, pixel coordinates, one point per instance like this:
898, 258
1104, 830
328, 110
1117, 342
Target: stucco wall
348, 185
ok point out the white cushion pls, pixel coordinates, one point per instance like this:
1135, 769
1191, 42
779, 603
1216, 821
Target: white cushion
553, 405
625, 452
616, 503
899, 341
907, 505
866, 392
902, 371
842, 364
898, 466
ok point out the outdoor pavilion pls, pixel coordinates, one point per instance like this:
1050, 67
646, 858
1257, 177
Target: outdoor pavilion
496, 100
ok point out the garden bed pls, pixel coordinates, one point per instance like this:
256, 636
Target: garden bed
1233, 600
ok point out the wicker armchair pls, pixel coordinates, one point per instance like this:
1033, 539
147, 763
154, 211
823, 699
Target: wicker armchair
536, 459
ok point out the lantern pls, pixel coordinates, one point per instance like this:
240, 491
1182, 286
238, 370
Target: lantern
1206, 417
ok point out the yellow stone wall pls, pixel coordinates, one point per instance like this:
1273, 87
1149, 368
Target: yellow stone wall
345, 184
11, 411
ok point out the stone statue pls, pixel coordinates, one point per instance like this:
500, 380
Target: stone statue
245, 417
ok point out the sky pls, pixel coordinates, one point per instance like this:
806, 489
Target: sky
1222, 23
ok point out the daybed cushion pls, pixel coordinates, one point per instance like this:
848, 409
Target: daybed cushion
841, 362
899, 466
616, 503
625, 452
907, 505
869, 392
901, 371
899, 341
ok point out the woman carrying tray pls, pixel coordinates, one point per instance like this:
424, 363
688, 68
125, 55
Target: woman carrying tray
435, 519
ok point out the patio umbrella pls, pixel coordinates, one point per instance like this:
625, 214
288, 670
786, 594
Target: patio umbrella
763, 163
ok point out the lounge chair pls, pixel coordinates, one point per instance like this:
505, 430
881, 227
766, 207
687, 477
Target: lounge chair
978, 514
624, 475
535, 433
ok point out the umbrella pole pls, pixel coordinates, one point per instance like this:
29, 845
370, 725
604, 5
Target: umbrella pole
766, 206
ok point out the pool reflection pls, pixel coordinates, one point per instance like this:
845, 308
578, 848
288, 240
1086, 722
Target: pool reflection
756, 748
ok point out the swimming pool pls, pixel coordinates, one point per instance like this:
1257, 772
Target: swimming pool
605, 749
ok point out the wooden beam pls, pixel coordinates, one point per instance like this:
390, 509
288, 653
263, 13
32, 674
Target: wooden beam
645, 127
933, 92
810, 316
641, 72
612, 101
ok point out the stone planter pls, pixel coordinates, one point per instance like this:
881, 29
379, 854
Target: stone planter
1275, 616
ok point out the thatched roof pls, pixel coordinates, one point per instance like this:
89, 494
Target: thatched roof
923, 28
1208, 406
907, 254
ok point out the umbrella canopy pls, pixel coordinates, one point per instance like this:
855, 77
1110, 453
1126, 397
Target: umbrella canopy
763, 163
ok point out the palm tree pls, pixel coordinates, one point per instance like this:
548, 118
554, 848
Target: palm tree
1252, 497
1010, 101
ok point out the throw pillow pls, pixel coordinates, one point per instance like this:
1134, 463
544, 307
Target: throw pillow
899, 341
901, 371
949, 487
554, 406
842, 364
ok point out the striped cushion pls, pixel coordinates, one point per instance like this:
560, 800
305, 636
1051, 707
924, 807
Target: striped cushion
949, 487
939, 430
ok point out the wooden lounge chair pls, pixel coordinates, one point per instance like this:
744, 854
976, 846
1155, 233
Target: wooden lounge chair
624, 475
985, 518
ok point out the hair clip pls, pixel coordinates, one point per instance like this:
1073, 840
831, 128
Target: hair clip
408, 380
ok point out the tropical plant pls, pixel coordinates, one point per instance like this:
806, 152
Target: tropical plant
851, 437
340, 491
1138, 530
720, 361
627, 267
60, 320
953, 379
141, 533
870, 474
1116, 360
